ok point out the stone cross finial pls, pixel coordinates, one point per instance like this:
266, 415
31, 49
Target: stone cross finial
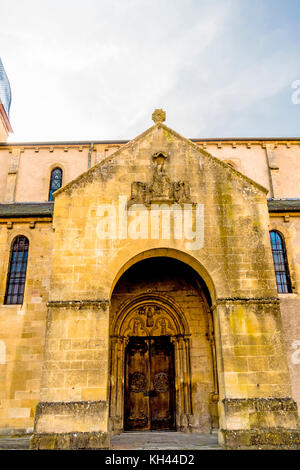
159, 115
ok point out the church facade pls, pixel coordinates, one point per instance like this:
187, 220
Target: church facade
151, 284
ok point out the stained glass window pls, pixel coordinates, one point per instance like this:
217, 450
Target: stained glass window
280, 263
55, 181
17, 271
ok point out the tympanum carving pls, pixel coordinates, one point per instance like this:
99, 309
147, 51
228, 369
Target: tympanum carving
149, 320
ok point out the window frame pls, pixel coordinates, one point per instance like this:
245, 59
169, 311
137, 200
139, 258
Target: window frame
20, 280
282, 276
52, 190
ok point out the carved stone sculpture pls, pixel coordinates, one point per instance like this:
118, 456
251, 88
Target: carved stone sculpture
161, 189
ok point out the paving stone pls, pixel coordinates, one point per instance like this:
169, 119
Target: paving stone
164, 441
137, 441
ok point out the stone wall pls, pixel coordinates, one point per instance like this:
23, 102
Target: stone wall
22, 328
274, 162
290, 312
289, 227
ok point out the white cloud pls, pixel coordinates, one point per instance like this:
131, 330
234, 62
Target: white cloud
96, 70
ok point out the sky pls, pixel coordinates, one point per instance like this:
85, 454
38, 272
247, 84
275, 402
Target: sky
96, 69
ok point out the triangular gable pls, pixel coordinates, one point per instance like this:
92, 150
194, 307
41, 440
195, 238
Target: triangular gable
87, 174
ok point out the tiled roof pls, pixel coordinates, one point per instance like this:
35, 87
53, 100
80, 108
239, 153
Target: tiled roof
45, 209
26, 209
284, 205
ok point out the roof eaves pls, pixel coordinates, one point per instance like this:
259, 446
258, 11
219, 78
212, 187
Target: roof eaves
26, 209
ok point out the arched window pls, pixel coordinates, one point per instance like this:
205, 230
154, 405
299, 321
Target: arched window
55, 181
17, 271
280, 263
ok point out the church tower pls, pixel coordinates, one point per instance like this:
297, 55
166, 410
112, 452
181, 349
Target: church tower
5, 100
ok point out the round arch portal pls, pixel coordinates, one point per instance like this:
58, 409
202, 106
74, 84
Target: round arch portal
174, 254
144, 310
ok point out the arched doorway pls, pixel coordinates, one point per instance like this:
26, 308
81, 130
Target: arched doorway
163, 366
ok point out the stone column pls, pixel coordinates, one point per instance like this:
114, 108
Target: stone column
116, 416
73, 408
213, 405
255, 406
178, 383
182, 381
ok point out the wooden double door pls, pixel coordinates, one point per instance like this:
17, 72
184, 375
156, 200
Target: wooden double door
149, 384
